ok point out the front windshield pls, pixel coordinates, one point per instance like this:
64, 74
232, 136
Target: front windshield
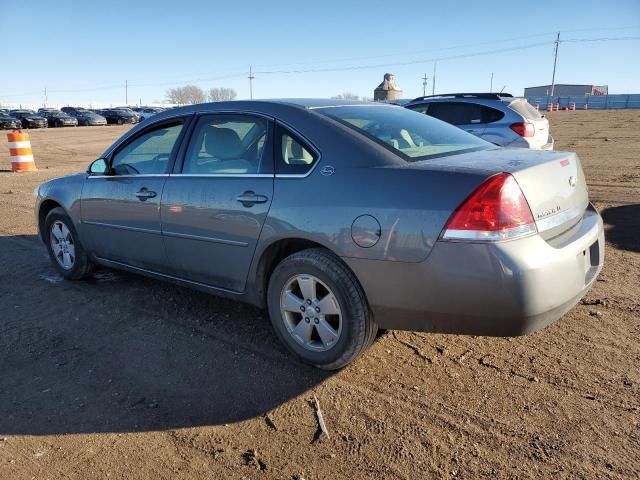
411, 135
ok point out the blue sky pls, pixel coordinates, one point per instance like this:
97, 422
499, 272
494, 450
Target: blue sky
83, 51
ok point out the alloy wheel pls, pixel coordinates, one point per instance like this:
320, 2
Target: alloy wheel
311, 312
62, 245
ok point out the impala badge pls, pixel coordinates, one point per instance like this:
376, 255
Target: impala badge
327, 170
572, 181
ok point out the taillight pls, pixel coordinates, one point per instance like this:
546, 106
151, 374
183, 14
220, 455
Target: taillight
496, 210
524, 129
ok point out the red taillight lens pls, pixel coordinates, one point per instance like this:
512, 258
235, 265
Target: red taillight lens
496, 210
524, 129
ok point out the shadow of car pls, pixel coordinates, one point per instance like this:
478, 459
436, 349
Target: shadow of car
624, 226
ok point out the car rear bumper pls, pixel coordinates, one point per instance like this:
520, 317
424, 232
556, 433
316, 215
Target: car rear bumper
549, 144
499, 289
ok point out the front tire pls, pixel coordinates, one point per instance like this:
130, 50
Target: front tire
319, 310
64, 247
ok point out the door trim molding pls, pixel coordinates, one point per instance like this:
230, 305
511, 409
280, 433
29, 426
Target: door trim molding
205, 239
122, 227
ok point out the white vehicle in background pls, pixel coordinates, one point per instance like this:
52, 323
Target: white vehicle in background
499, 118
147, 112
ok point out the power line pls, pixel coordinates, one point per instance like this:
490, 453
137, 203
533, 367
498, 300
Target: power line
345, 68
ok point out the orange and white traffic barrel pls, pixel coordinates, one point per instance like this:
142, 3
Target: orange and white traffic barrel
20, 152
549, 107
557, 109
573, 106
537, 106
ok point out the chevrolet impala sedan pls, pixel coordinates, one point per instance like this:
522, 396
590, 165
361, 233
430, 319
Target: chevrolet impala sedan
340, 218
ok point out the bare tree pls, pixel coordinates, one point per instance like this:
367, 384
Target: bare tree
346, 96
189, 94
222, 94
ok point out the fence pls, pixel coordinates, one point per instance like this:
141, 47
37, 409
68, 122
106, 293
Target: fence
593, 102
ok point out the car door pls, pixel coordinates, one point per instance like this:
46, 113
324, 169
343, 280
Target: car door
215, 203
464, 115
121, 210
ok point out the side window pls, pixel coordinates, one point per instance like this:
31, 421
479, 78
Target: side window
294, 156
490, 115
228, 144
457, 113
147, 154
422, 108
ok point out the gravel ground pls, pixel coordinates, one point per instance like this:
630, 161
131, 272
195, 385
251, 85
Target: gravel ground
130, 378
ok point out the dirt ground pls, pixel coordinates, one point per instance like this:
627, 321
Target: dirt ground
130, 378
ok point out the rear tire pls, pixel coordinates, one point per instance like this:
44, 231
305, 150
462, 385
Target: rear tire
353, 328
120, 121
64, 247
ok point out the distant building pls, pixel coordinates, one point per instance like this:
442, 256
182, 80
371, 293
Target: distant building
388, 89
566, 90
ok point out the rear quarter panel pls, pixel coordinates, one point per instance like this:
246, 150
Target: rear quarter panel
411, 207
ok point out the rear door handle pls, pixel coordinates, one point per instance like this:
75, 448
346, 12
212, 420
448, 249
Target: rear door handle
143, 194
249, 198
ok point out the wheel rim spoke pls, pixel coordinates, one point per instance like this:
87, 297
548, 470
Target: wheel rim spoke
326, 332
329, 305
57, 232
291, 302
66, 234
57, 249
303, 331
307, 286
66, 260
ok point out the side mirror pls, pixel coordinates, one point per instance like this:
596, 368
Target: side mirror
99, 167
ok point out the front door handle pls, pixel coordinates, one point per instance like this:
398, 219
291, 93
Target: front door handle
143, 194
248, 199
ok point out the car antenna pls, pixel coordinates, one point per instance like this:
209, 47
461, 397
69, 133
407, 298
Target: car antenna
503, 89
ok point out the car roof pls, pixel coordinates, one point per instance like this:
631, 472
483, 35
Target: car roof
268, 106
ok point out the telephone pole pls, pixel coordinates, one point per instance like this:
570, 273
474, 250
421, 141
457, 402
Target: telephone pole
251, 77
45, 96
433, 79
491, 87
126, 92
424, 85
555, 60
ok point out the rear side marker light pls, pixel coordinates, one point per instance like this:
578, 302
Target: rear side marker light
524, 129
496, 210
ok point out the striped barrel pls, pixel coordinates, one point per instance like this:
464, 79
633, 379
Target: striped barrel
20, 152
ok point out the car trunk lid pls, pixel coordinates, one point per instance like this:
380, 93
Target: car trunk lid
552, 182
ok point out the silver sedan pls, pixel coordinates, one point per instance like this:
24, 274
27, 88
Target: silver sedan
340, 218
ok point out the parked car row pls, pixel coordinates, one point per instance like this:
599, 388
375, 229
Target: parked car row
74, 116
499, 118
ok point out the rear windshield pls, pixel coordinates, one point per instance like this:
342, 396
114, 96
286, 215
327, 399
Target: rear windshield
524, 108
411, 135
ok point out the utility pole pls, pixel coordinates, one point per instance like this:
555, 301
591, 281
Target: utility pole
555, 60
251, 77
45, 96
433, 79
491, 87
126, 92
424, 85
